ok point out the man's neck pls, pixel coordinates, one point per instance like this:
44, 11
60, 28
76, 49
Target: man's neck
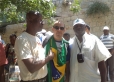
31, 32
80, 38
106, 34
57, 39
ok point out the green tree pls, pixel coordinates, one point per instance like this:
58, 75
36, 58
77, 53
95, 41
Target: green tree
75, 7
13, 11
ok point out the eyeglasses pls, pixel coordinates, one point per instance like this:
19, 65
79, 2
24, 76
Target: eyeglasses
57, 28
36, 12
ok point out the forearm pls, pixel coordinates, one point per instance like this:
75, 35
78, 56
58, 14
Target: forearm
33, 66
67, 72
103, 71
41, 63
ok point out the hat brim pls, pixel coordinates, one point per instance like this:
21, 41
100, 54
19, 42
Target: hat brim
105, 29
79, 23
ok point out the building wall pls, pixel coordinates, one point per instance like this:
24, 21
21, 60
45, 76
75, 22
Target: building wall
96, 22
11, 29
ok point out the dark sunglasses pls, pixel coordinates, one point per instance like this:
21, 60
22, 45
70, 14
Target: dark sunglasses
57, 28
42, 22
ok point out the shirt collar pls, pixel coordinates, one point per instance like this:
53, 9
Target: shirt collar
83, 37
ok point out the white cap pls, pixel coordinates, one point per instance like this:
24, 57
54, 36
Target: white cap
106, 28
79, 21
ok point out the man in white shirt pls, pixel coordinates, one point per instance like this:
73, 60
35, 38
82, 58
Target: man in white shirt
87, 56
108, 41
29, 51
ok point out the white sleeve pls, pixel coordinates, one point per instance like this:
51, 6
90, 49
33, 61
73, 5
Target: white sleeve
22, 48
101, 52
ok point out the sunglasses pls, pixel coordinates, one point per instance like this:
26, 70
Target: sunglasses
42, 22
57, 28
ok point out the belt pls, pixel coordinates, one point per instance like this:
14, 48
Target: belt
39, 80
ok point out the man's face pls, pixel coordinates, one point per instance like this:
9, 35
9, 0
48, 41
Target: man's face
66, 37
79, 29
39, 24
58, 30
106, 32
88, 31
12, 39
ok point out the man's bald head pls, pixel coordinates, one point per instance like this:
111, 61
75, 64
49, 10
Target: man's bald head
58, 23
58, 30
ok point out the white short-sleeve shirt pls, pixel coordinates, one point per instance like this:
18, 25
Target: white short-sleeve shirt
28, 46
94, 51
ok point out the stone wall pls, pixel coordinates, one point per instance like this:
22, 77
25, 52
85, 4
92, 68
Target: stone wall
11, 29
96, 22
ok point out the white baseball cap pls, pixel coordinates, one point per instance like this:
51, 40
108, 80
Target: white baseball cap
106, 28
79, 21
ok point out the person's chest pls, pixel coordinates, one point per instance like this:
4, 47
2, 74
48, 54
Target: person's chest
37, 50
87, 48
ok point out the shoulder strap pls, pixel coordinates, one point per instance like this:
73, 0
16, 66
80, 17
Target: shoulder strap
46, 40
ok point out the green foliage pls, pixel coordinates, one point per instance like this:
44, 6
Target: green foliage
13, 11
75, 7
97, 8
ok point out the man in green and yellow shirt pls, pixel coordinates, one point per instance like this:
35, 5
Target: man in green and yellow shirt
58, 68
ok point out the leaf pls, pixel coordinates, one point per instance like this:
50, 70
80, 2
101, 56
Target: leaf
12, 9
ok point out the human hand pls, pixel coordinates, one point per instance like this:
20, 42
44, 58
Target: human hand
50, 55
112, 51
15, 60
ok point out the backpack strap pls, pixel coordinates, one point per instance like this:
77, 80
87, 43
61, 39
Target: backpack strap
46, 40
